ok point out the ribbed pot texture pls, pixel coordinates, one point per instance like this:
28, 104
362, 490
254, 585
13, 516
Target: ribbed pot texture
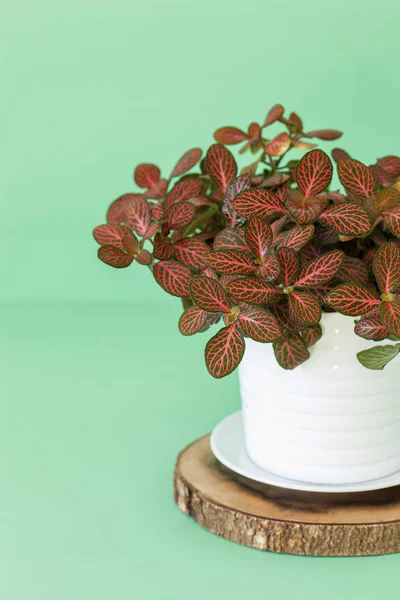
330, 420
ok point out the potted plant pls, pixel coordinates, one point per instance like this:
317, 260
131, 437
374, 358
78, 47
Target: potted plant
283, 265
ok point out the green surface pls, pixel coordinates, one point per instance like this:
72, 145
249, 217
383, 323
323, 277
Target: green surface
96, 385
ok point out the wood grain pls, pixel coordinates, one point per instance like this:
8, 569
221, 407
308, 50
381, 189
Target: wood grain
285, 521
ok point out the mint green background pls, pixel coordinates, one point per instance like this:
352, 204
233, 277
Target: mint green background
96, 385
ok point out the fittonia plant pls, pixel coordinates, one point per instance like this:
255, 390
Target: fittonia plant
264, 251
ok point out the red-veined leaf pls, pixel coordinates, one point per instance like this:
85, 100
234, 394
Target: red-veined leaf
392, 220
251, 290
138, 217
339, 154
163, 249
314, 173
118, 210
387, 199
277, 225
319, 293
389, 313
258, 202
158, 190
179, 215
311, 335
131, 245
279, 145
147, 175
221, 166
371, 328
191, 252
209, 294
351, 299
144, 257
286, 317
325, 236
270, 268
277, 179
296, 238
356, 178
152, 229
259, 324
353, 270
230, 135
186, 162
291, 351
201, 201
347, 219
386, 267
324, 134
391, 164
273, 115
224, 351
380, 175
173, 277
238, 185
307, 212
111, 235
305, 307
114, 257
183, 190
157, 210
192, 321
319, 271
258, 236
231, 239
290, 264
230, 262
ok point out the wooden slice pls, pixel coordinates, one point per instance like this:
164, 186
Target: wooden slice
280, 520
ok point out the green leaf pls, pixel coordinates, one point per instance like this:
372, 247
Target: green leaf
377, 358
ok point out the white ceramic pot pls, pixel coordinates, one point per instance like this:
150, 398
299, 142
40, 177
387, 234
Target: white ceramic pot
330, 420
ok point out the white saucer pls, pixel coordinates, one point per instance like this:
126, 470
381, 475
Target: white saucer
227, 444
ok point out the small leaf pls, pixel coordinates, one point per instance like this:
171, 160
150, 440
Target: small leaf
184, 190
179, 215
147, 175
391, 164
111, 235
118, 210
377, 358
230, 262
273, 115
314, 173
305, 307
392, 220
319, 271
387, 199
173, 277
224, 351
290, 264
353, 270
186, 162
324, 134
191, 252
138, 217
258, 236
158, 190
302, 145
231, 239
270, 268
291, 351
230, 135
221, 166
238, 185
371, 328
192, 321
144, 257
347, 218
351, 299
307, 212
386, 267
251, 290
356, 178
114, 257
311, 335
296, 238
258, 202
259, 324
163, 249
209, 294
389, 313
279, 145
130, 245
